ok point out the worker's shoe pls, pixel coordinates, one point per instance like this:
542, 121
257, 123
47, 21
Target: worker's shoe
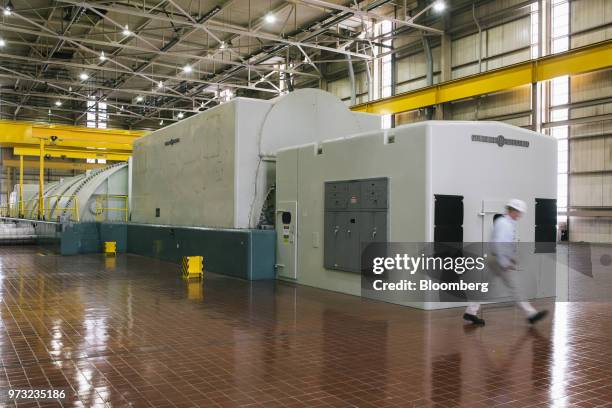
537, 317
474, 319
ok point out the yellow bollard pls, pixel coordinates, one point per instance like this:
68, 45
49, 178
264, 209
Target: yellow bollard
193, 267
110, 248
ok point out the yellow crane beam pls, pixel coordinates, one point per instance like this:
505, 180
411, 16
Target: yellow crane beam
579, 60
72, 153
33, 164
15, 133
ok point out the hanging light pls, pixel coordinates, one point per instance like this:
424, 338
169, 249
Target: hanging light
126, 30
139, 98
187, 69
439, 6
102, 56
8, 10
2, 42
84, 76
222, 46
160, 85
270, 18
161, 122
58, 103
180, 115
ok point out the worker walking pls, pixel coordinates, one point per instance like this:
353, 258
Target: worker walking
503, 262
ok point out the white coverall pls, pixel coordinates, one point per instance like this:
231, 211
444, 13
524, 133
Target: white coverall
504, 262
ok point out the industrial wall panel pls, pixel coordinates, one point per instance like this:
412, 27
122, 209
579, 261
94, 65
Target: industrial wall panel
591, 229
415, 84
508, 59
509, 37
592, 85
465, 50
488, 106
586, 190
587, 154
589, 19
415, 66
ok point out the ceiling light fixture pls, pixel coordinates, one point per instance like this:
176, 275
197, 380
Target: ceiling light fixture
2, 42
58, 103
222, 46
8, 10
180, 115
270, 18
139, 98
84, 76
161, 122
187, 69
439, 6
160, 85
102, 56
126, 30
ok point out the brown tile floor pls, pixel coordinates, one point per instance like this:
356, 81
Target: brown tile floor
130, 332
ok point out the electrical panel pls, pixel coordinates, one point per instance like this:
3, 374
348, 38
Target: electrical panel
355, 213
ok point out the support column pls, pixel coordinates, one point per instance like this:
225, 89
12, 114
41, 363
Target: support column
41, 181
21, 187
9, 184
445, 64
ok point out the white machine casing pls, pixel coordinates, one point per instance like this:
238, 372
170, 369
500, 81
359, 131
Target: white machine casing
216, 168
420, 160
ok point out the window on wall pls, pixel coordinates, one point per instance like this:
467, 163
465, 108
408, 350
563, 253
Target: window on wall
535, 30
559, 96
97, 114
560, 25
383, 68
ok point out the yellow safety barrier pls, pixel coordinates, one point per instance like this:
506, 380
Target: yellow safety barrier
103, 209
193, 267
110, 248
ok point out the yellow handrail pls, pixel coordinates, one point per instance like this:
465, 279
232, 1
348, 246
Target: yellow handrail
29, 207
102, 206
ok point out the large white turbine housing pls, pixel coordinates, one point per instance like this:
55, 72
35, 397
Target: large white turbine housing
88, 192
216, 168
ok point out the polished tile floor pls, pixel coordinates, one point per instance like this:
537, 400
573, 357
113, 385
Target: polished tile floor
129, 332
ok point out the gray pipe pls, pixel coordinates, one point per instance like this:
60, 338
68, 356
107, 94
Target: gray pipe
479, 37
352, 79
429, 61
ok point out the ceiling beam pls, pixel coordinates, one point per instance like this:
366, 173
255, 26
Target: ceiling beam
53, 165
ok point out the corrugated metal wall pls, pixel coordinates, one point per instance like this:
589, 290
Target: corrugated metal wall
507, 39
590, 145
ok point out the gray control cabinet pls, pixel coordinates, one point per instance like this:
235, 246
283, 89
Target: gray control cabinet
355, 213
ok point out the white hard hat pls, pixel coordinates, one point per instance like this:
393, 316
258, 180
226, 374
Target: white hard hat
517, 204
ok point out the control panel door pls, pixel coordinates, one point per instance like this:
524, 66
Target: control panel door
286, 239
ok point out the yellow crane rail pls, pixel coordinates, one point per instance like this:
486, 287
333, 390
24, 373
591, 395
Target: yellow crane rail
15, 133
34, 164
72, 153
579, 60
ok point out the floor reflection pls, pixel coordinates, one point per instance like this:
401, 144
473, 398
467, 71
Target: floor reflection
133, 332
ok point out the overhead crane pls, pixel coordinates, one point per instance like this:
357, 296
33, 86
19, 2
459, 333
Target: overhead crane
61, 141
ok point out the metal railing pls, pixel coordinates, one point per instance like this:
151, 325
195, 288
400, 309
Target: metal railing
52, 205
104, 210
